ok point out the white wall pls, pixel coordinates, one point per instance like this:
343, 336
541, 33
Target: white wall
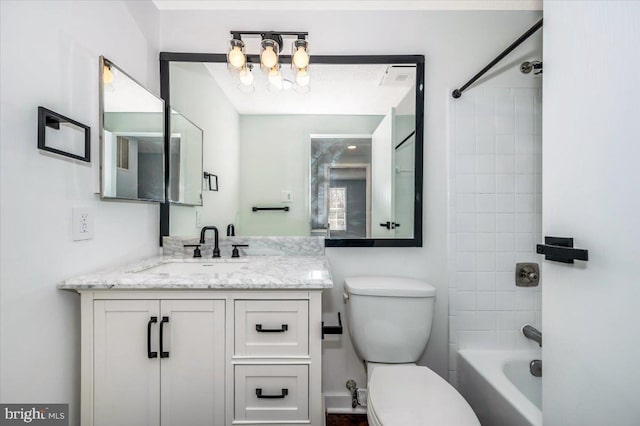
456, 46
49, 56
220, 122
495, 213
275, 152
591, 344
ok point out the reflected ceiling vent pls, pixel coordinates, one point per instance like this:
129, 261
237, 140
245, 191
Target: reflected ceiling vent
399, 75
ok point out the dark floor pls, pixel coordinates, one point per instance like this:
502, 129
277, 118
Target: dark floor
347, 420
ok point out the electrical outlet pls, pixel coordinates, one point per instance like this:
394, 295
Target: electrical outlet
82, 224
285, 196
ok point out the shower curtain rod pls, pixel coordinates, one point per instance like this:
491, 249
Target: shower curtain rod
458, 92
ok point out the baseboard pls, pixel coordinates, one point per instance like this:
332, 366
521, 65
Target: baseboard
340, 403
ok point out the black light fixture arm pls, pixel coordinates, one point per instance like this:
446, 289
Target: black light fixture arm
302, 35
458, 92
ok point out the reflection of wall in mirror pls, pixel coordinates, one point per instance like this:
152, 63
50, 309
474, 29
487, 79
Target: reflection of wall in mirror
404, 166
275, 152
219, 121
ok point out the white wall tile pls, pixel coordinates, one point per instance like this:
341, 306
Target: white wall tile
485, 242
505, 164
505, 281
485, 262
505, 184
486, 281
485, 203
495, 190
524, 114
466, 184
506, 320
505, 222
466, 241
466, 281
486, 301
485, 222
486, 164
466, 300
466, 262
465, 164
505, 144
505, 300
505, 262
485, 184
466, 222
505, 242
505, 203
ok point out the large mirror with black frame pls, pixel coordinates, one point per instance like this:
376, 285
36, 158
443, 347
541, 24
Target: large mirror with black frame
131, 138
336, 154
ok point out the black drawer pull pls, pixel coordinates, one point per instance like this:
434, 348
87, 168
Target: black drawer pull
259, 329
561, 250
163, 354
259, 394
150, 354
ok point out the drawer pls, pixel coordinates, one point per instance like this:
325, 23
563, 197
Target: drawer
272, 327
271, 392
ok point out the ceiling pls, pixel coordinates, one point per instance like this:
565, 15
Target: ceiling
334, 89
349, 5
123, 94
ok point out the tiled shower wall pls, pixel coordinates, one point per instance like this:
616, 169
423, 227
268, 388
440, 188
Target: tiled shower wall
494, 217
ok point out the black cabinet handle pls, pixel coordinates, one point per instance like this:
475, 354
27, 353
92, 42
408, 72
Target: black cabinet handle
150, 354
560, 249
283, 328
259, 394
163, 354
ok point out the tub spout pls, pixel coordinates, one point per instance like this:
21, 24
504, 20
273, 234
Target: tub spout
532, 333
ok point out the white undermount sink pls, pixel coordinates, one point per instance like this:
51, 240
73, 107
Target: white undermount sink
194, 268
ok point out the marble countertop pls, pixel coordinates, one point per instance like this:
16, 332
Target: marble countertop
255, 272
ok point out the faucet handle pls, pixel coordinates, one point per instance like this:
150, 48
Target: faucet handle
196, 251
236, 252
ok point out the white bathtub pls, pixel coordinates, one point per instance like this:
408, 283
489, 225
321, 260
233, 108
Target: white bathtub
500, 388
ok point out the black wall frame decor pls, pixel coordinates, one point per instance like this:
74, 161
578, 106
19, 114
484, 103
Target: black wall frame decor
418, 60
51, 119
211, 185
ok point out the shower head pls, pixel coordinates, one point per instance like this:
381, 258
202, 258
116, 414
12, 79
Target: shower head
535, 66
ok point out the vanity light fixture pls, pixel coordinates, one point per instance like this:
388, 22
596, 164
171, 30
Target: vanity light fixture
270, 50
351, 147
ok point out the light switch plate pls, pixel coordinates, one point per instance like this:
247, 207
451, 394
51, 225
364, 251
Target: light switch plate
82, 224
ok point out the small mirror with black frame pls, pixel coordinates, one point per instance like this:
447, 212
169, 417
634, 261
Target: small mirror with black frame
131, 138
337, 155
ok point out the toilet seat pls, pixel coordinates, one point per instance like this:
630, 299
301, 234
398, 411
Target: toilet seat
403, 395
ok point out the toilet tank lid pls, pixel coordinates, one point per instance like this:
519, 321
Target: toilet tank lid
388, 287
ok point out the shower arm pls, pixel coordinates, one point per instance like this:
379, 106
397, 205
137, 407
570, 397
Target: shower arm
458, 92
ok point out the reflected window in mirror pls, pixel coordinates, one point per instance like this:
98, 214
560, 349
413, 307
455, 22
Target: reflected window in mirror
132, 138
345, 156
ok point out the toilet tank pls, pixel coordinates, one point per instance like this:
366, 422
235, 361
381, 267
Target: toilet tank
389, 318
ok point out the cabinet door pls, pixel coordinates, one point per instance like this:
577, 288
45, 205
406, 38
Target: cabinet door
192, 373
126, 380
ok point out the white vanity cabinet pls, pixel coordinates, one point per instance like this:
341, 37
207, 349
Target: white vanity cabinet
201, 357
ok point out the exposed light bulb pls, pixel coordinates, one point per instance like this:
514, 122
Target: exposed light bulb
246, 76
107, 75
236, 57
301, 57
351, 147
269, 57
302, 77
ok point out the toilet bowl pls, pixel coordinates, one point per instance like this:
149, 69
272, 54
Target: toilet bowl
389, 321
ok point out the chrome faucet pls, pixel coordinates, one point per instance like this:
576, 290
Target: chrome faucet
216, 249
532, 333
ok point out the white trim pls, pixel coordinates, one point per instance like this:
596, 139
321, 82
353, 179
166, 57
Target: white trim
433, 5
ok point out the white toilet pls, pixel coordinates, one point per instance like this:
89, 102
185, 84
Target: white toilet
389, 321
